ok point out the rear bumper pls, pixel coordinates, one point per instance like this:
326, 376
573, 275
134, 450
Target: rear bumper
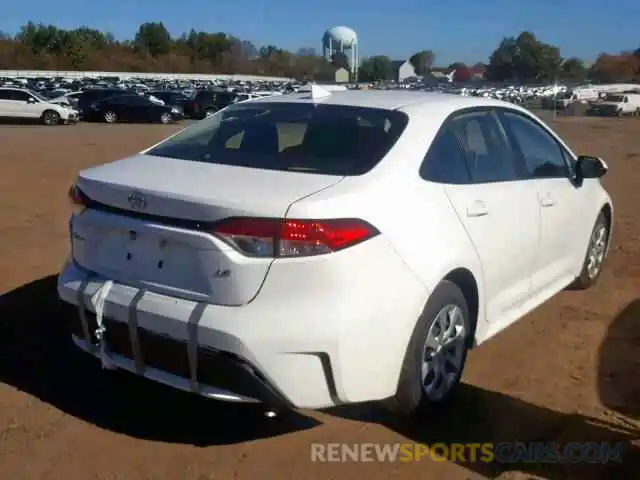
235, 379
343, 342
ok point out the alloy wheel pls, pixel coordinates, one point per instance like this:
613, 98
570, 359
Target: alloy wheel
597, 248
444, 352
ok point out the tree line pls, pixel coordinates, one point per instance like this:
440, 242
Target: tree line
153, 49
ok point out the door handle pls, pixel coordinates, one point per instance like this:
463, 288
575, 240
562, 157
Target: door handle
547, 201
478, 209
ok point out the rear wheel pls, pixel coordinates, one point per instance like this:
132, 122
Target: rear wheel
436, 354
50, 117
166, 118
110, 117
209, 111
594, 260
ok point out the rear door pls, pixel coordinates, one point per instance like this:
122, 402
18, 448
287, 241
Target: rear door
7, 107
499, 210
125, 107
139, 108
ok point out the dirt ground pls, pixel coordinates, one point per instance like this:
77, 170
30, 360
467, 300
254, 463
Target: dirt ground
568, 372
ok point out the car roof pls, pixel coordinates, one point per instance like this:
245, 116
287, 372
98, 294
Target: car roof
407, 101
389, 99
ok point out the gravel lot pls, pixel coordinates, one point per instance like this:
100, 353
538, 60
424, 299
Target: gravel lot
568, 372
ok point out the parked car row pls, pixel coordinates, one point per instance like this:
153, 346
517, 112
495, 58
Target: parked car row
110, 100
111, 105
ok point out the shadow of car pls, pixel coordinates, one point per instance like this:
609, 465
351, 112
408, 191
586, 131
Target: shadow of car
37, 356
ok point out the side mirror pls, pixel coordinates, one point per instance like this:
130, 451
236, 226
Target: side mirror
590, 167
31, 100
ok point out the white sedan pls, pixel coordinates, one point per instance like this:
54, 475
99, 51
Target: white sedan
330, 247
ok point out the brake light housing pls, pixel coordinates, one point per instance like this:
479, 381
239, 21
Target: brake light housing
77, 199
286, 238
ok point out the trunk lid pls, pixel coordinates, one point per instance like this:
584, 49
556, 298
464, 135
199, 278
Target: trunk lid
157, 252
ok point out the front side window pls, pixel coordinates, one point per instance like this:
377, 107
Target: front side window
306, 137
37, 96
543, 155
489, 156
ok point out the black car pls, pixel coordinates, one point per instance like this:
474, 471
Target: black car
132, 108
90, 97
172, 99
207, 102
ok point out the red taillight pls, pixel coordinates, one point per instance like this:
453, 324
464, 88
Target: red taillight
77, 198
261, 237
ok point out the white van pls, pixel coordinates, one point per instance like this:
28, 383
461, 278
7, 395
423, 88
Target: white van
618, 105
582, 95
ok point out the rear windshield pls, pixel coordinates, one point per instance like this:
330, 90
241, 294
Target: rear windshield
324, 139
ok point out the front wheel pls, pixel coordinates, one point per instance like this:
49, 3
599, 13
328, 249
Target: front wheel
436, 354
110, 117
594, 259
50, 117
166, 118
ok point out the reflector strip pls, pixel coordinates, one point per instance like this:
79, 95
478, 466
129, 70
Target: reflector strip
133, 332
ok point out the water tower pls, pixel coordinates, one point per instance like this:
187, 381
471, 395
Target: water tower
342, 40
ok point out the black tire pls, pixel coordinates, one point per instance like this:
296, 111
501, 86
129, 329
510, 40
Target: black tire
50, 117
587, 277
209, 111
411, 400
166, 118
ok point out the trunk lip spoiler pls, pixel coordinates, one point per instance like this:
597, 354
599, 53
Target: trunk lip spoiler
187, 224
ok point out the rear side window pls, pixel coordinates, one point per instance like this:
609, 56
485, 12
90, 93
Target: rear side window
133, 100
445, 161
324, 139
19, 95
204, 96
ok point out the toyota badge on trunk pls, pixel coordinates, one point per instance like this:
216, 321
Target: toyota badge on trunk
137, 201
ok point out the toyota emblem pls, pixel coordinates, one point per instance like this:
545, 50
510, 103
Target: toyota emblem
137, 201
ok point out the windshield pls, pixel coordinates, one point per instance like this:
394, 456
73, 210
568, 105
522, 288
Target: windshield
326, 139
38, 96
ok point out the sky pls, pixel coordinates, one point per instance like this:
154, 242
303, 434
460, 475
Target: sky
458, 30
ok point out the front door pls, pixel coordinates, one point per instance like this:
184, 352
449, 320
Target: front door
550, 167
